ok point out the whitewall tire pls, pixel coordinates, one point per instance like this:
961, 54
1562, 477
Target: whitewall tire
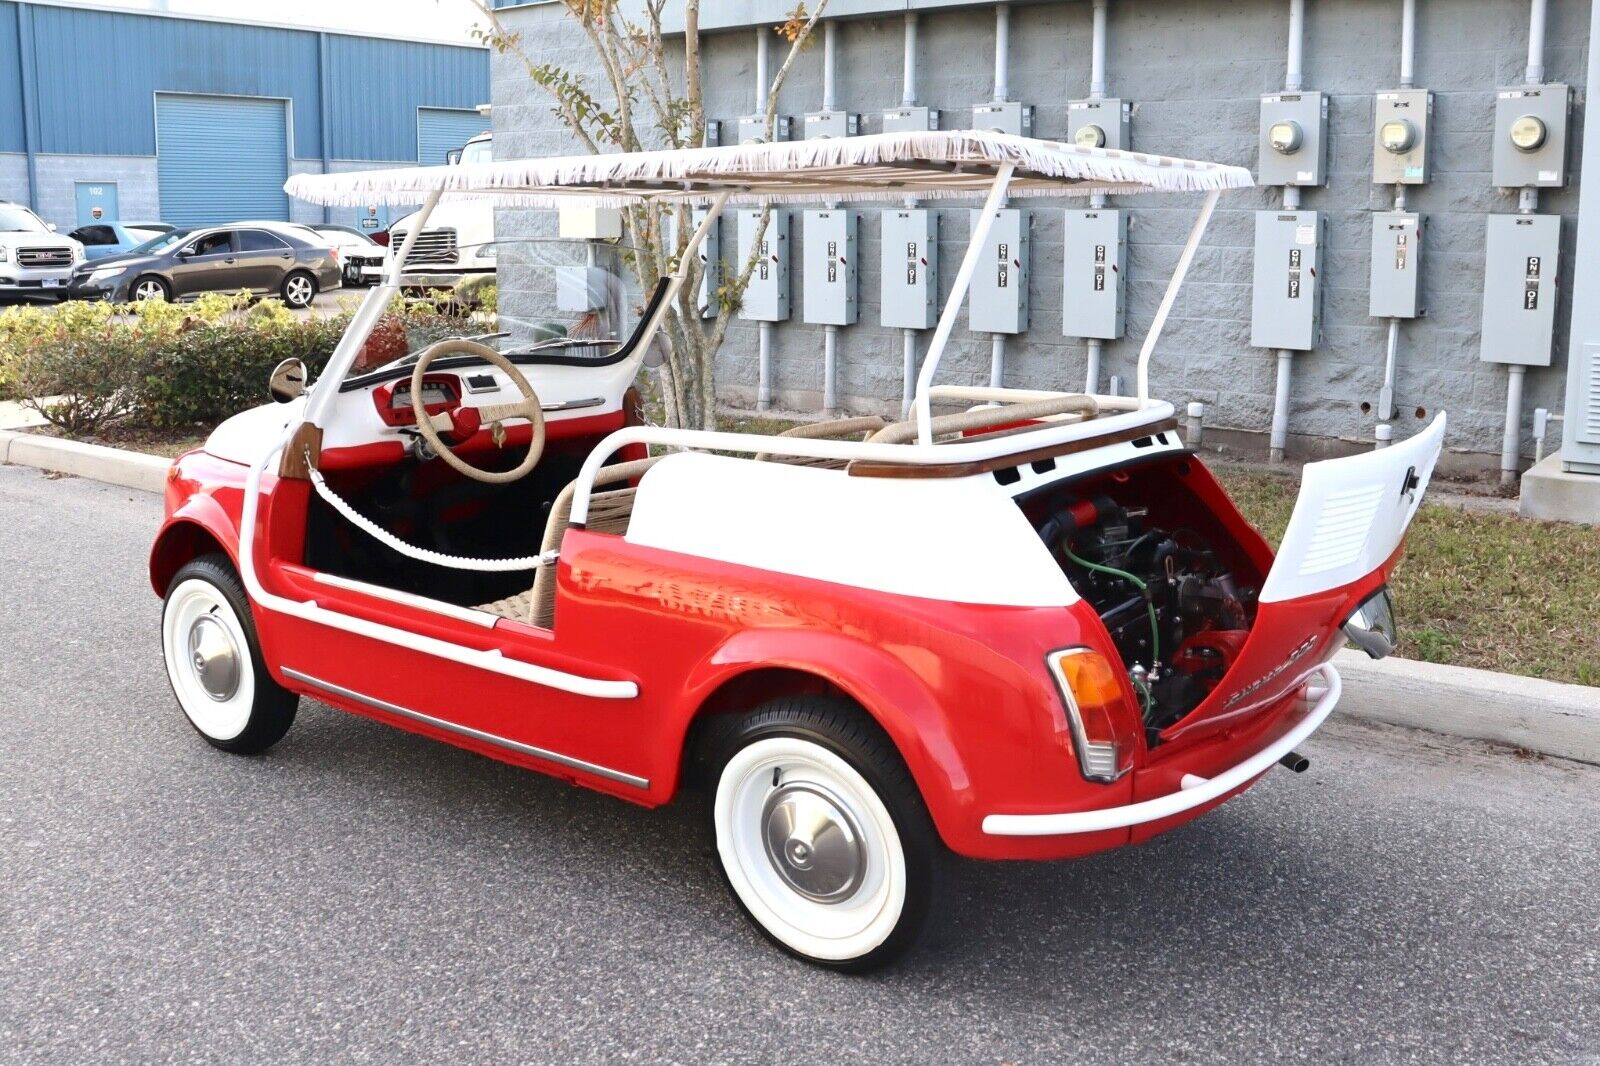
822, 836
213, 660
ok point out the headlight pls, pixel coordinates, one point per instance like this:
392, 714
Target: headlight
104, 274
1371, 627
5, 253
1103, 731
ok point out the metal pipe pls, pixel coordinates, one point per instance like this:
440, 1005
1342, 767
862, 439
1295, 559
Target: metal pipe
829, 48
1291, 197
1091, 371
1386, 393
1382, 436
1097, 53
830, 370
1002, 53
1280, 407
958, 293
908, 93
997, 361
908, 388
1536, 20
1528, 201
761, 69
1194, 431
1294, 73
1171, 295
1511, 441
764, 367
1408, 43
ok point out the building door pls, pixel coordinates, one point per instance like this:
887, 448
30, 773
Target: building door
441, 130
221, 158
93, 197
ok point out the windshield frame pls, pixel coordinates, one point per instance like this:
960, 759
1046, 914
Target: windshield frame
20, 212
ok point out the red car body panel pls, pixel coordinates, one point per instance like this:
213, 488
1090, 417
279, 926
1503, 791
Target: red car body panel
962, 689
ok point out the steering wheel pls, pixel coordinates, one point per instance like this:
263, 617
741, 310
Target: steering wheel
465, 421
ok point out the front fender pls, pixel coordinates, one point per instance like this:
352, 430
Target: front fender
200, 525
885, 686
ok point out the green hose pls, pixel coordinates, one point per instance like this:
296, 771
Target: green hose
1155, 629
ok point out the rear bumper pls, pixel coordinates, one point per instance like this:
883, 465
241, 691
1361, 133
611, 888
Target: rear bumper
1197, 791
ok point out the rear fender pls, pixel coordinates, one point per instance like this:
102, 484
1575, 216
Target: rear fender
884, 686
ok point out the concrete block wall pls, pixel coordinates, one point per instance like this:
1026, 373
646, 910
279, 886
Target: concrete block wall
1195, 72
134, 176
14, 177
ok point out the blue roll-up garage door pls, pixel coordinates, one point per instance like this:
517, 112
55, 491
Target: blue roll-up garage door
441, 130
221, 158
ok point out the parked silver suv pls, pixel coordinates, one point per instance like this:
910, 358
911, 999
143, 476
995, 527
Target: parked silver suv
35, 260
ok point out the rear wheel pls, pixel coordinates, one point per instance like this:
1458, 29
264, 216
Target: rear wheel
299, 289
822, 835
150, 287
214, 664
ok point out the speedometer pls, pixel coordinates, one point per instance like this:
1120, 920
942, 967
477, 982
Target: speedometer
433, 392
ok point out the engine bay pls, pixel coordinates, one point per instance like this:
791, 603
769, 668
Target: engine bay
1176, 593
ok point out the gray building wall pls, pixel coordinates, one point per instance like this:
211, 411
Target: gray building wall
134, 177
1195, 72
14, 177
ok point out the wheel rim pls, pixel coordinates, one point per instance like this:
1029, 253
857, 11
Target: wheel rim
299, 291
149, 290
208, 660
809, 848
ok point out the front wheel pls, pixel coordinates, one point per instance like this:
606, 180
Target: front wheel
214, 663
823, 837
151, 287
299, 289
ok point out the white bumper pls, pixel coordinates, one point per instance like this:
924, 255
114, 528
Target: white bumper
1196, 791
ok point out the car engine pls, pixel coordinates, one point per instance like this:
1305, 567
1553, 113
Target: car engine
1174, 611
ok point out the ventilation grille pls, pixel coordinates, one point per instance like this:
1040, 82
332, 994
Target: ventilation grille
1589, 424
1342, 529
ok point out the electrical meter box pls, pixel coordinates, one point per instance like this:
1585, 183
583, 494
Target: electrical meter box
1091, 299
828, 282
753, 129
1400, 143
578, 223
1286, 301
710, 255
1004, 116
1396, 265
1099, 123
1530, 136
908, 272
580, 288
1294, 139
821, 124
766, 298
1519, 288
910, 120
713, 134
998, 296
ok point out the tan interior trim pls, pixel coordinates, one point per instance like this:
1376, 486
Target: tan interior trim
302, 453
862, 468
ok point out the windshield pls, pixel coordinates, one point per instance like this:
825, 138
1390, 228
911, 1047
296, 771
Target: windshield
478, 152
20, 220
570, 308
161, 243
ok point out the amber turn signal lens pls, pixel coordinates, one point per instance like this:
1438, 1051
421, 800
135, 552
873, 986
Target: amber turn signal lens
1103, 728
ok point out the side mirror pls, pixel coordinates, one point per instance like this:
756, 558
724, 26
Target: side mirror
185, 253
452, 157
287, 380
51, 226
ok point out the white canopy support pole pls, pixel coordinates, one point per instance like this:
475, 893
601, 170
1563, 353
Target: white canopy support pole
364, 321
958, 293
1171, 295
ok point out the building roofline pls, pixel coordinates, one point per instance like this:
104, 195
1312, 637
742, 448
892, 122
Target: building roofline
190, 16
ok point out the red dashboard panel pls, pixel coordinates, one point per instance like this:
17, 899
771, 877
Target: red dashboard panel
442, 392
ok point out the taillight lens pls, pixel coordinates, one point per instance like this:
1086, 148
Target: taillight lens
335, 253
1103, 728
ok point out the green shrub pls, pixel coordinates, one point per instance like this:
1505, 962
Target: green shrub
159, 366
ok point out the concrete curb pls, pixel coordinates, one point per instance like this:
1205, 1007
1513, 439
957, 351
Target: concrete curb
1527, 712
114, 466
1543, 716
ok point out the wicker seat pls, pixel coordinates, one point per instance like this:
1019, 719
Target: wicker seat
609, 512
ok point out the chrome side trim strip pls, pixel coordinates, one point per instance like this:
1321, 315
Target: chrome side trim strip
572, 405
467, 731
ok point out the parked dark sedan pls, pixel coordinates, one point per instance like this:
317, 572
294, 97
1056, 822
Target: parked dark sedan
186, 262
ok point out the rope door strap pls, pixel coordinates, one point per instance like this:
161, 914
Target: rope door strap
454, 562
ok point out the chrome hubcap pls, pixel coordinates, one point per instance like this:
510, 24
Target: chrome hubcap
813, 842
214, 657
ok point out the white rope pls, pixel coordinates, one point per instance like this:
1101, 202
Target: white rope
455, 562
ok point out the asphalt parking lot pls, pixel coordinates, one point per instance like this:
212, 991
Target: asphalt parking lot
359, 893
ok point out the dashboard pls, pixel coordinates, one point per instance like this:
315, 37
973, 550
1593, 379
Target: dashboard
440, 392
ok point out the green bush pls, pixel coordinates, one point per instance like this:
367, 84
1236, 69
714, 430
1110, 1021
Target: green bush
160, 366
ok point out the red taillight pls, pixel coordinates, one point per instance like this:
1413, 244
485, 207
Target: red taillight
1104, 728
335, 253
382, 238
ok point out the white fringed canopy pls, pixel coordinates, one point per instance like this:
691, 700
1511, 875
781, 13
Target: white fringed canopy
884, 166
